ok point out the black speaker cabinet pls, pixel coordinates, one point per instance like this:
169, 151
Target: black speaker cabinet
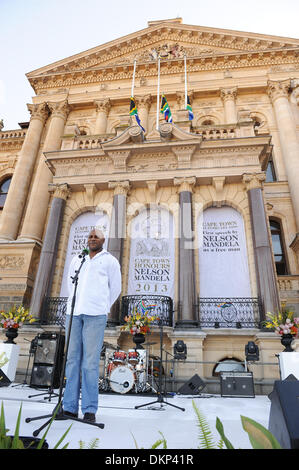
49, 348
193, 386
284, 413
237, 384
48, 360
44, 375
4, 380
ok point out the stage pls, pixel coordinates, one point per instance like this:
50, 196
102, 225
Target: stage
124, 424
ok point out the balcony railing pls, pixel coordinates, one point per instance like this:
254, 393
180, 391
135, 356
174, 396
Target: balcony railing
158, 305
223, 312
210, 312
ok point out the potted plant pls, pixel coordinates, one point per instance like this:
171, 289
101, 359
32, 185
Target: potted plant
285, 324
13, 320
138, 324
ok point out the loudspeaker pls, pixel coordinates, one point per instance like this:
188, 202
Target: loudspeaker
48, 360
284, 412
45, 375
49, 347
237, 384
193, 386
4, 380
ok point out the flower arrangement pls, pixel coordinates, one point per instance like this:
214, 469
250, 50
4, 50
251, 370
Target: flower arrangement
15, 317
283, 323
138, 322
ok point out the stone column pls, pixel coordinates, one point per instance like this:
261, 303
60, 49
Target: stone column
103, 107
187, 292
279, 94
117, 234
45, 272
265, 269
20, 183
228, 96
143, 105
36, 213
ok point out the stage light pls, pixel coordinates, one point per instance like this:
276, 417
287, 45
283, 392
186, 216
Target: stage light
180, 350
252, 351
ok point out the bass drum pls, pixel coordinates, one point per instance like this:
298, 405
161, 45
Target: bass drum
122, 379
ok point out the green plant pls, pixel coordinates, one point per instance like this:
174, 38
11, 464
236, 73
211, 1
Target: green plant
14, 442
93, 444
205, 435
259, 436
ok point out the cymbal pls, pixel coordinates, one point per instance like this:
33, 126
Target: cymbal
149, 344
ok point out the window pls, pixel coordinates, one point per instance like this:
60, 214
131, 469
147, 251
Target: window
270, 172
4, 186
278, 247
228, 365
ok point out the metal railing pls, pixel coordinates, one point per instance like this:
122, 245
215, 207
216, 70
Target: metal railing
222, 312
158, 305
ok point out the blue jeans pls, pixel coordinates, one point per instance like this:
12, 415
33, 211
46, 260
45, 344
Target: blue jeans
83, 359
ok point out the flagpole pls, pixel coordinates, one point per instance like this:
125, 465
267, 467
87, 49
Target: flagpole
133, 81
158, 96
186, 95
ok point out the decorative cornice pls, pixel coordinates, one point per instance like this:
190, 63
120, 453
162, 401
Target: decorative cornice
205, 62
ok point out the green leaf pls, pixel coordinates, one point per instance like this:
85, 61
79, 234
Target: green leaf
205, 434
220, 429
259, 436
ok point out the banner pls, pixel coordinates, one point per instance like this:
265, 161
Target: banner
151, 269
223, 263
79, 232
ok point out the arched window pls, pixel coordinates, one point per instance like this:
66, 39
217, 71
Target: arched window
228, 365
278, 247
4, 187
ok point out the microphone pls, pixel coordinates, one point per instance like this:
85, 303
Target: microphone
84, 252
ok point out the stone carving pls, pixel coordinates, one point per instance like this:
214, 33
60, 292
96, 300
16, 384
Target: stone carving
11, 262
38, 111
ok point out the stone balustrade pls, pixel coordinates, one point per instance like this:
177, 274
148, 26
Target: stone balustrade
288, 282
13, 134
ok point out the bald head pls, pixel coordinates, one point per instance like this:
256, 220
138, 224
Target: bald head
96, 240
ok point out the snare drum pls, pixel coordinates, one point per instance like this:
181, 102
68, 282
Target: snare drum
133, 357
119, 357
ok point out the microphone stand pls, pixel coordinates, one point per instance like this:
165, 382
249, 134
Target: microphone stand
160, 394
58, 412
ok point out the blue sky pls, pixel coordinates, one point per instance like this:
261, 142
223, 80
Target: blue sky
34, 33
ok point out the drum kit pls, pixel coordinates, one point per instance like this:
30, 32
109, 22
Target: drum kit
125, 371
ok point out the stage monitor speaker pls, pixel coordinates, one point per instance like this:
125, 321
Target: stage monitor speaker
49, 347
284, 413
4, 380
45, 375
237, 384
193, 386
48, 360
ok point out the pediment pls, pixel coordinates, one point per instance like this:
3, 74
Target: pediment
171, 40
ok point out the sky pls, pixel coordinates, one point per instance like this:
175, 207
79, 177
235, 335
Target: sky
35, 33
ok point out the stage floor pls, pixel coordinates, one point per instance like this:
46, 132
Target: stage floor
123, 423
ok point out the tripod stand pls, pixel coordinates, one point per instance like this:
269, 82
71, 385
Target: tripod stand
58, 412
160, 393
